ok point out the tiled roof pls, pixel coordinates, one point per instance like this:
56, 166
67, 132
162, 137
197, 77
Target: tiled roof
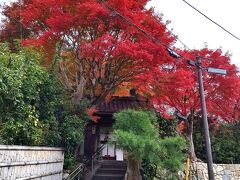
119, 103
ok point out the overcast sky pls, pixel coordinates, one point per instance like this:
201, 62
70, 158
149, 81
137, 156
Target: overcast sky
195, 30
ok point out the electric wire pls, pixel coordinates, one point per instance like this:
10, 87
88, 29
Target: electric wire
177, 38
169, 49
186, 46
155, 40
149, 36
211, 20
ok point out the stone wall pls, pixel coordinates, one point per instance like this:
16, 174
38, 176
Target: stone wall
23, 162
221, 171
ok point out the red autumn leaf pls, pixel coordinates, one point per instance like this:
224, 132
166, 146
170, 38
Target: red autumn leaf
90, 113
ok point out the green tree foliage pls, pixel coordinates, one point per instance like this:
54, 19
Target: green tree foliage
34, 108
135, 133
224, 140
167, 127
72, 129
138, 134
21, 79
175, 147
51, 99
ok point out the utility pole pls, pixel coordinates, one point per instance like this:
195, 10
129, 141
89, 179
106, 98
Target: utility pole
205, 120
198, 64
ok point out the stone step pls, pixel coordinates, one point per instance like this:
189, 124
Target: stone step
112, 162
114, 166
108, 177
111, 171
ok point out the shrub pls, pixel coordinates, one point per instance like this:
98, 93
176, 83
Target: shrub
34, 108
137, 132
224, 140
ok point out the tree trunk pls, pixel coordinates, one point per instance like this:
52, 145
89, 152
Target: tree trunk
133, 170
189, 133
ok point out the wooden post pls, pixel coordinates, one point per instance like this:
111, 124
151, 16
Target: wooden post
187, 168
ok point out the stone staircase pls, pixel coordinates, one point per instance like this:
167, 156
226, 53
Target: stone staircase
111, 170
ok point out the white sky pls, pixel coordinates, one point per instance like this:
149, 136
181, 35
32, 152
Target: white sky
6, 1
195, 30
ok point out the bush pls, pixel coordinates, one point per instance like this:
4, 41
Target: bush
34, 108
224, 140
175, 147
20, 80
137, 132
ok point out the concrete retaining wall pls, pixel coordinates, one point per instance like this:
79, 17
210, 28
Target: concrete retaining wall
23, 162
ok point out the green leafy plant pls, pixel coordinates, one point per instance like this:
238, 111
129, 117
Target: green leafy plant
72, 131
137, 133
175, 147
224, 140
34, 107
20, 80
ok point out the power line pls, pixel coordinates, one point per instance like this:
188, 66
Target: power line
212, 20
184, 44
155, 40
149, 36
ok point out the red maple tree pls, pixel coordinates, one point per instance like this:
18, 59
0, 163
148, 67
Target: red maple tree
174, 88
97, 49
